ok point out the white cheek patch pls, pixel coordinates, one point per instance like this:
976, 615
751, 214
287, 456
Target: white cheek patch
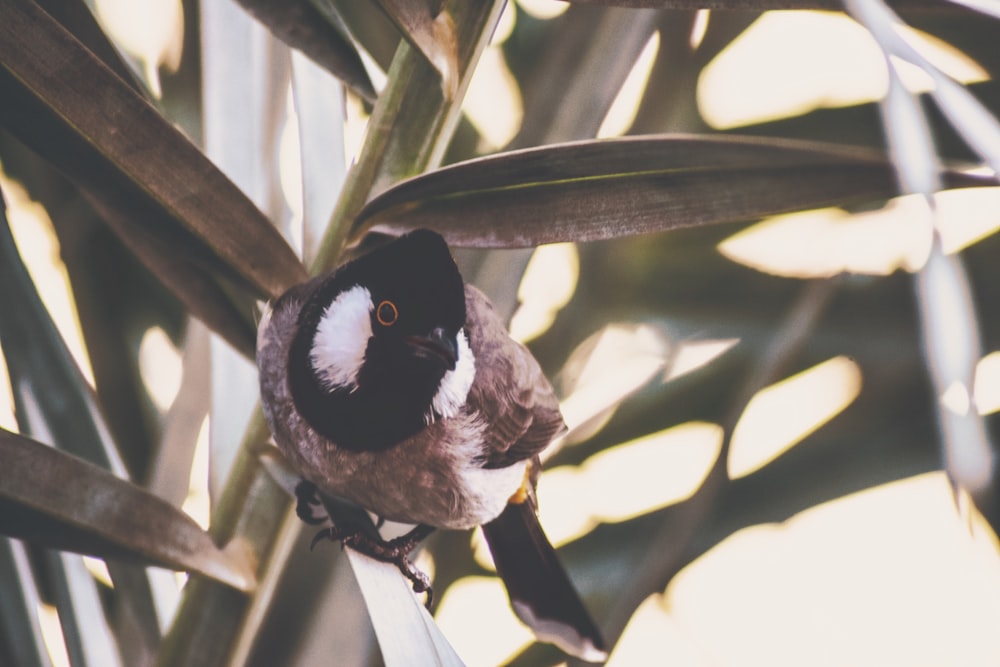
456, 383
338, 348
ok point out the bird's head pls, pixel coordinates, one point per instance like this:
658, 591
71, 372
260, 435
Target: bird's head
381, 348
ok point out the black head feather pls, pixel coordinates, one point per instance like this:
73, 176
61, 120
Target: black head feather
416, 311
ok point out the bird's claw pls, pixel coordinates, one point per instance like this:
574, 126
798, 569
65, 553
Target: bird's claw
329, 533
395, 551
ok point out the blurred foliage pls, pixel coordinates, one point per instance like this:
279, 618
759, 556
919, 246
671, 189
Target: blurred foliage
110, 149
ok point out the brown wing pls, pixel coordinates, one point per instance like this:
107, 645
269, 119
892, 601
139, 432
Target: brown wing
510, 389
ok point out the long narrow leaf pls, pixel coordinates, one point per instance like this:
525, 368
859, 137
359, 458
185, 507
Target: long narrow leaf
76, 17
55, 404
49, 391
253, 511
936, 5
401, 622
243, 67
63, 502
432, 32
116, 300
572, 70
303, 27
597, 190
21, 641
41, 63
399, 145
175, 257
320, 108
85, 630
366, 24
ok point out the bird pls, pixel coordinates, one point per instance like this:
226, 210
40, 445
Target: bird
392, 384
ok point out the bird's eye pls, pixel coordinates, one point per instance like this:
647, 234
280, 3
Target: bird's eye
387, 313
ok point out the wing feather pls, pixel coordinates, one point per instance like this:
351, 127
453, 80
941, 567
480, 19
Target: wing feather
510, 387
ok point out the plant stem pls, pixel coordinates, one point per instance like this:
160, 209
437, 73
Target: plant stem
411, 125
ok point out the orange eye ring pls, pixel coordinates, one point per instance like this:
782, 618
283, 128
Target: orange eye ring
386, 313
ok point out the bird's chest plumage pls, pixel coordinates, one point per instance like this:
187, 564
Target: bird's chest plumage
431, 478
435, 477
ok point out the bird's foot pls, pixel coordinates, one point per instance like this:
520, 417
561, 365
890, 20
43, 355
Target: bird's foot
395, 551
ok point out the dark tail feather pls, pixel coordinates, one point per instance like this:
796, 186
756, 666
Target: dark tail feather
540, 591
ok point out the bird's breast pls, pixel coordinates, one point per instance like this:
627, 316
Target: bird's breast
435, 478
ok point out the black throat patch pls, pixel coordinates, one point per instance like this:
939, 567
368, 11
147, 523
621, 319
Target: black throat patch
385, 408
416, 276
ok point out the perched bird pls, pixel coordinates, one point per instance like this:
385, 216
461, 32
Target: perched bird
394, 385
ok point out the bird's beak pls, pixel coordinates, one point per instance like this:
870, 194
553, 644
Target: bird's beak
437, 345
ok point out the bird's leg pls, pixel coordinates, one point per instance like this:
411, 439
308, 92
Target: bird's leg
395, 551
306, 498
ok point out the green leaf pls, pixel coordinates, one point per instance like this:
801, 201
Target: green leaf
567, 67
303, 27
402, 624
21, 641
398, 145
598, 190
367, 25
60, 501
76, 17
116, 300
432, 32
86, 633
50, 394
58, 99
935, 5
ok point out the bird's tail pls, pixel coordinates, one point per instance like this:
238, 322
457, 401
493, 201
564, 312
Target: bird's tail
540, 591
